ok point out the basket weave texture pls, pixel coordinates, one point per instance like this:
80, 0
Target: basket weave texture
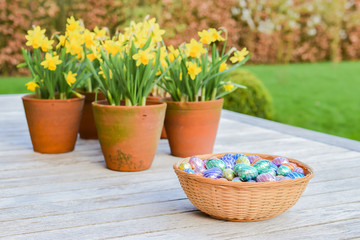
242, 201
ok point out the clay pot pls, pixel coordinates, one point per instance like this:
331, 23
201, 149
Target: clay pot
53, 123
129, 136
158, 99
191, 127
87, 128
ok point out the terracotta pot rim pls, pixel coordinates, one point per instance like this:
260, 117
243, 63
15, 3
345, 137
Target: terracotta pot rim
194, 103
103, 104
30, 97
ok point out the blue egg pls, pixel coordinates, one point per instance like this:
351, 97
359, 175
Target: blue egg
294, 175
213, 173
273, 166
228, 162
228, 157
189, 170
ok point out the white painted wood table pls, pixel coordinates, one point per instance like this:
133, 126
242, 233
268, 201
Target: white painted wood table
74, 196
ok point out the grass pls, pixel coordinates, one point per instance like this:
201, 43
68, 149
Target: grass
320, 96
13, 85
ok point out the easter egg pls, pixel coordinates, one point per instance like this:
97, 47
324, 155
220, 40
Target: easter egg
229, 163
271, 171
278, 161
294, 175
283, 170
265, 177
273, 166
284, 178
215, 163
200, 169
252, 158
228, 174
189, 170
243, 159
292, 166
236, 179
247, 173
196, 162
213, 173
262, 165
223, 179
238, 166
299, 170
184, 165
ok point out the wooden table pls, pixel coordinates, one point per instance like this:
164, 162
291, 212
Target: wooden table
74, 196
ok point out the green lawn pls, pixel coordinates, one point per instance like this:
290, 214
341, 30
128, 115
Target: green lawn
318, 96
13, 84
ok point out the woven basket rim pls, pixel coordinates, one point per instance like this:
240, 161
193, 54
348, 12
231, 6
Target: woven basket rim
310, 173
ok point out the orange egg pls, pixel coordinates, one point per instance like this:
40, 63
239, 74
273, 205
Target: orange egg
290, 165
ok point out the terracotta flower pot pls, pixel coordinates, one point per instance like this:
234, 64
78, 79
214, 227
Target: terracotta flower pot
158, 99
53, 123
191, 127
129, 135
87, 128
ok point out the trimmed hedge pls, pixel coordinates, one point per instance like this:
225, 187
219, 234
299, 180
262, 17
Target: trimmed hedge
255, 100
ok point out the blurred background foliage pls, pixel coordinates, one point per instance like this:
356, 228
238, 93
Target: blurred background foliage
275, 31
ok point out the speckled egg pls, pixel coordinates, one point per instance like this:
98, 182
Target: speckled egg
243, 159
213, 173
265, 177
196, 162
292, 166
215, 163
262, 165
184, 165
299, 170
278, 161
247, 173
236, 179
189, 170
294, 175
238, 166
253, 158
283, 170
228, 174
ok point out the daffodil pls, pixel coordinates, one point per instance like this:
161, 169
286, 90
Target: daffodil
89, 38
70, 78
206, 37
156, 33
100, 34
94, 55
193, 69
143, 57
215, 35
50, 62
46, 44
73, 25
180, 77
74, 47
195, 48
62, 41
101, 72
31, 86
112, 47
228, 87
174, 53
239, 55
35, 37
222, 67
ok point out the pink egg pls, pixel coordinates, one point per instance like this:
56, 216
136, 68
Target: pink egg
299, 170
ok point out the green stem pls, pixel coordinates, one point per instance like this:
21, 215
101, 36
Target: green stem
128, 102
203, 94
213, 95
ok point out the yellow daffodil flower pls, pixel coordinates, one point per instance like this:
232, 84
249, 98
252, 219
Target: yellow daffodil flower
89, 39
228, 87
174, 53
101, 72
112, 47
46, 44
73, 25
194, 48
95, 54
180, 77
156, 33
31, 86
223, 66
239, 55
216, 35
70, 78
206, 37
193, 69
62, 41
100, 34
35, 37
143, 57
50, 62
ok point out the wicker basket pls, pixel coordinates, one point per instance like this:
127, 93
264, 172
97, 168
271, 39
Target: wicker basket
242, 201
